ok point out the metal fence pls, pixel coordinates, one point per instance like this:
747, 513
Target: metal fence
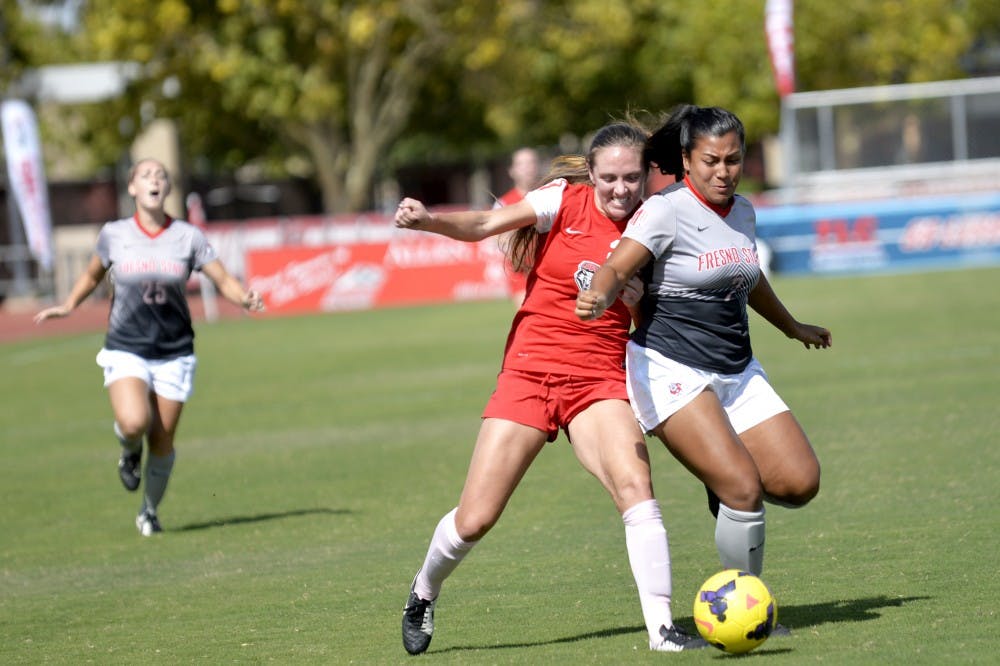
19, 274
944, 133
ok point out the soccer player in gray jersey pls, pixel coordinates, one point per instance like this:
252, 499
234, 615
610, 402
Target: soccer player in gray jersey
148, 355
692, 377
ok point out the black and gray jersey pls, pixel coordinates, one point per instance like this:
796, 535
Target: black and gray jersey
694, 309
149, 273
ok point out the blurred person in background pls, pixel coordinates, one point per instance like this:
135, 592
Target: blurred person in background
525, 171
557, 373
692, 377
148, 354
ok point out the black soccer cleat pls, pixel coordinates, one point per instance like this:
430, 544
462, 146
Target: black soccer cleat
418, 623
130, 469
675, 639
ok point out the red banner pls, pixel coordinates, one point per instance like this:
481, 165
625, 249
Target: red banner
409, 269
780, 43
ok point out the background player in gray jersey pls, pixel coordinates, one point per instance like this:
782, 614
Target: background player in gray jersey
148, 354
692, 377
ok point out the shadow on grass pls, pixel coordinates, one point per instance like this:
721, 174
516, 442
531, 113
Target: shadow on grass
603, 633
797, 618
847, 610
257, 518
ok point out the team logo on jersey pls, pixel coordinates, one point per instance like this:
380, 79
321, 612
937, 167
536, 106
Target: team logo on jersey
674, 388
585, 273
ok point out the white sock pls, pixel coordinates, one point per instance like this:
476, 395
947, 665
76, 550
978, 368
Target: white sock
444, 554
131, 445
649, 556
739, 536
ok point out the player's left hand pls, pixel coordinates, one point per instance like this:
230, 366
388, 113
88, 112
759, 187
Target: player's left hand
253, 301
813, 336
631, 294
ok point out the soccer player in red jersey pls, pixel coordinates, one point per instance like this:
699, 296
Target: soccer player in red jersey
558, 372
525, 171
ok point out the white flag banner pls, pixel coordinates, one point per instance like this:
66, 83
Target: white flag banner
780, 43
26, 176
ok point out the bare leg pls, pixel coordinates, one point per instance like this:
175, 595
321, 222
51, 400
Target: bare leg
786, 461
130, 405
166, 415
504, 451
610, 445
701, 437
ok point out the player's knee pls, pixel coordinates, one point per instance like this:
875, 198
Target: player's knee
630, 489
741, 493
795, 491
473, 525
132, 427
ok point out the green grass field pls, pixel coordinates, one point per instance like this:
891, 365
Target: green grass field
319, 452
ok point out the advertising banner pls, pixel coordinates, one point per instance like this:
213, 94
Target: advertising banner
900, 234
410, 268
26, 176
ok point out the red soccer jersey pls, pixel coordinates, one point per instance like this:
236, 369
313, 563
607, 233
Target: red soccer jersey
546, 335
511, 196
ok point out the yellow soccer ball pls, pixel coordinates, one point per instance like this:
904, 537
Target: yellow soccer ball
735, 611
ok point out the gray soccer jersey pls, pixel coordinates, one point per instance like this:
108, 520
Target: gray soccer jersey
696, 289
149, 273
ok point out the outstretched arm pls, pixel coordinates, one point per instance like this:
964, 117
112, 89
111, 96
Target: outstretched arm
470, 225
231, 288
82, 288
767, 304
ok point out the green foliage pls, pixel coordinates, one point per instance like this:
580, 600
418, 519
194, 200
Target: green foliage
318, 453
334, 82
858, 43
355, 89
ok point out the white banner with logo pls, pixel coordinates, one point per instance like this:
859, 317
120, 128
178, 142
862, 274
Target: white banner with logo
26, 176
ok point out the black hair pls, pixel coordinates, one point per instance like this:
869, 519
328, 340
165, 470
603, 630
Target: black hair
668, 145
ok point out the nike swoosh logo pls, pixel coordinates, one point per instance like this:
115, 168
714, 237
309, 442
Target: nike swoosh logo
572, 232
703, 228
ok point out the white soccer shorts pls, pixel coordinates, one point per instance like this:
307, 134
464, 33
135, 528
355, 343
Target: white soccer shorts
171, 378
658, 387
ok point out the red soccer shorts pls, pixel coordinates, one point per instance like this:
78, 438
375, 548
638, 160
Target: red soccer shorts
548, 402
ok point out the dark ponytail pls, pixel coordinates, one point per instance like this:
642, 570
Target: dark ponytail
668, 145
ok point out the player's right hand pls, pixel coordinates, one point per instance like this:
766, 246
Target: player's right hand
410, 213
54, 312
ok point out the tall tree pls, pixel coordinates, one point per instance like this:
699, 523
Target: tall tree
340, 89
337, 81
